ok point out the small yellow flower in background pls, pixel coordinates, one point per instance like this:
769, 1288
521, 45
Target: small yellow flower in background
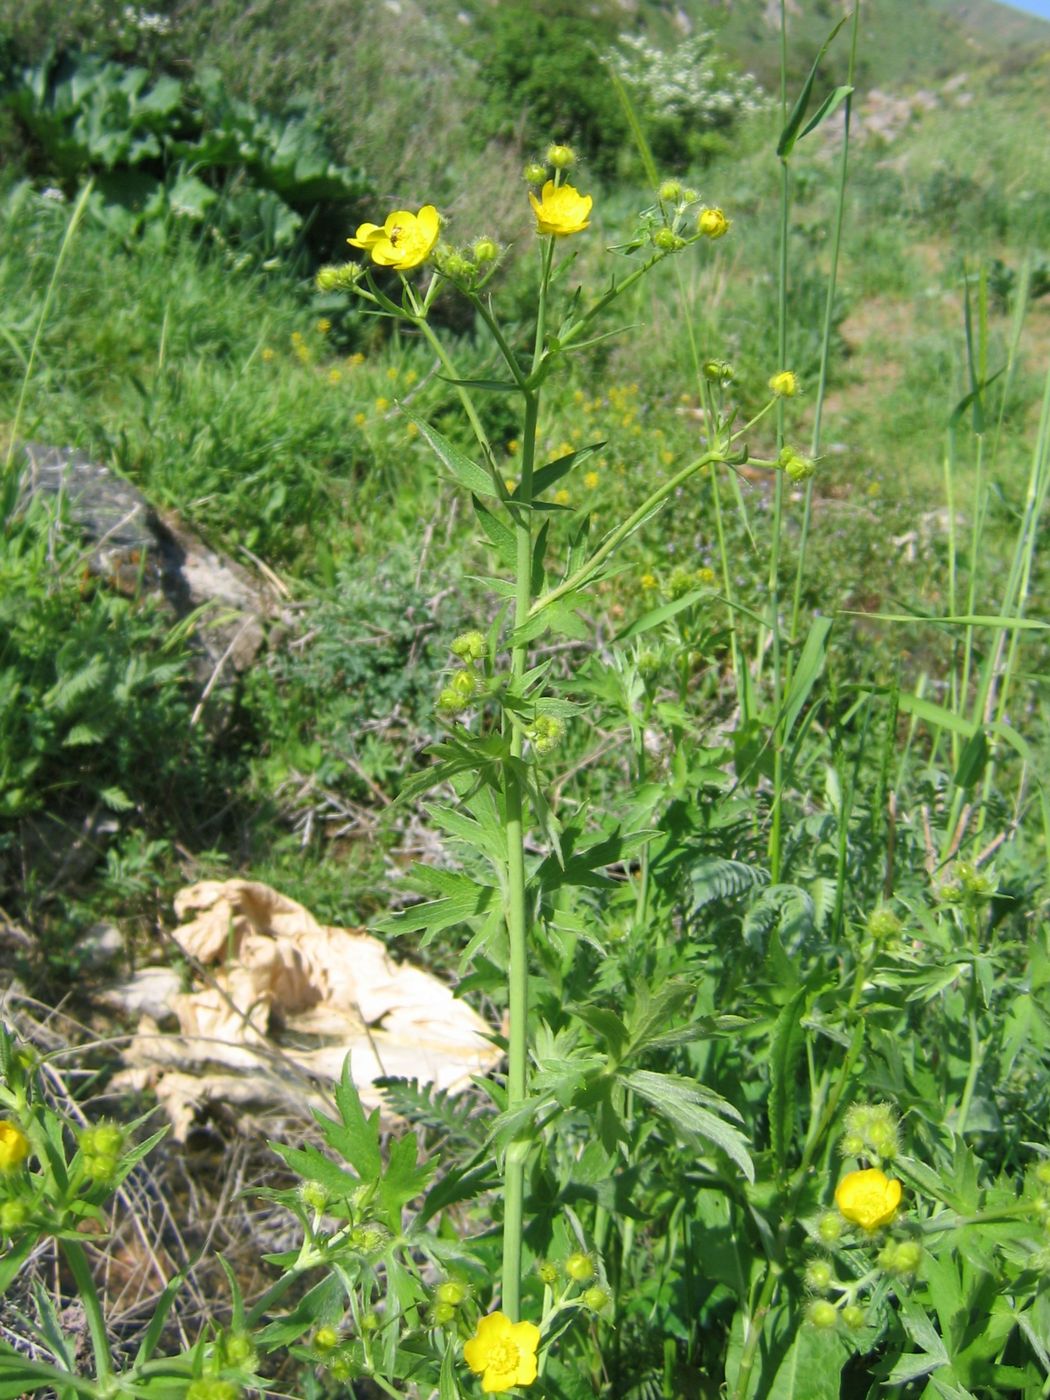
355, 359
563, 449
404, 241
562, 210
410, 377
392, 373
413, 429
512, 447
784, 384
335, 376
267, 354
297, 337
502, 1353
360, 419
578, 396
648, 582
14, 1146
561, 498
868, 1198
667, 456
323, 326
511, 485
712, 223
382, 404
590, 480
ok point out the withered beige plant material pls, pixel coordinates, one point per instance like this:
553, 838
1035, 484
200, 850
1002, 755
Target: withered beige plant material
289, 1000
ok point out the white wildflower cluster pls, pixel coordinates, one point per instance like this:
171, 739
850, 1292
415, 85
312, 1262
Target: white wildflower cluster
693, 84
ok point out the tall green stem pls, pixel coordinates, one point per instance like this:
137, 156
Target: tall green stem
514, 800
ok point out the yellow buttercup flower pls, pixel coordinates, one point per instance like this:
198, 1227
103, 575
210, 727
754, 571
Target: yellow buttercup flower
868, 1198
590, 480
14, 1146
561, 210
404, 241
502, 1353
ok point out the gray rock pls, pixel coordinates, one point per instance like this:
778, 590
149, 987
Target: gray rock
136, 548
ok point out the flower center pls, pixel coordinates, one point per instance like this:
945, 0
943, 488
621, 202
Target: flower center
504, 1357
395, 234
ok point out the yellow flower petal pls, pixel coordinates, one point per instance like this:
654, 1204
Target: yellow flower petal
502, 1353
868, 1198
561, 210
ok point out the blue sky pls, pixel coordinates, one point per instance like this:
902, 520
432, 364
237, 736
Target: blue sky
1034, 7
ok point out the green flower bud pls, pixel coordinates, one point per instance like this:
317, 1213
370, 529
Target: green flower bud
561, 157
819, 1275
535, 173
342, 1369
102, 1139
371, 1322
546, 733
325, 1338
909, 1253
718, 371
667, 240
595, 1298
313, 1195
486, 250
209, 1388
13, 1215
239, 1351
822, 1314
464, 683
830, 1227
443, 1314
450, 702
883, 924
469, 646
339, 279
853, 1316
580, 1267
548, 1273
451, 1292
670, 191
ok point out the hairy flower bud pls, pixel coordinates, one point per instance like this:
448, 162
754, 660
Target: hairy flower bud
580, 1267
784, 384
670, 191
535, 173
561, 157
712, 223
822, 1314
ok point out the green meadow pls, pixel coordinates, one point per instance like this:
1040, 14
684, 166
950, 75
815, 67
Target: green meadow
643, 513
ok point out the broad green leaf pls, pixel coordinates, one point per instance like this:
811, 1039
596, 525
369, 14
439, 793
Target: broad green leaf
404, 1179
356, 1136
561, 466
459, 466
683, 1102
499, 535
811, 1369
